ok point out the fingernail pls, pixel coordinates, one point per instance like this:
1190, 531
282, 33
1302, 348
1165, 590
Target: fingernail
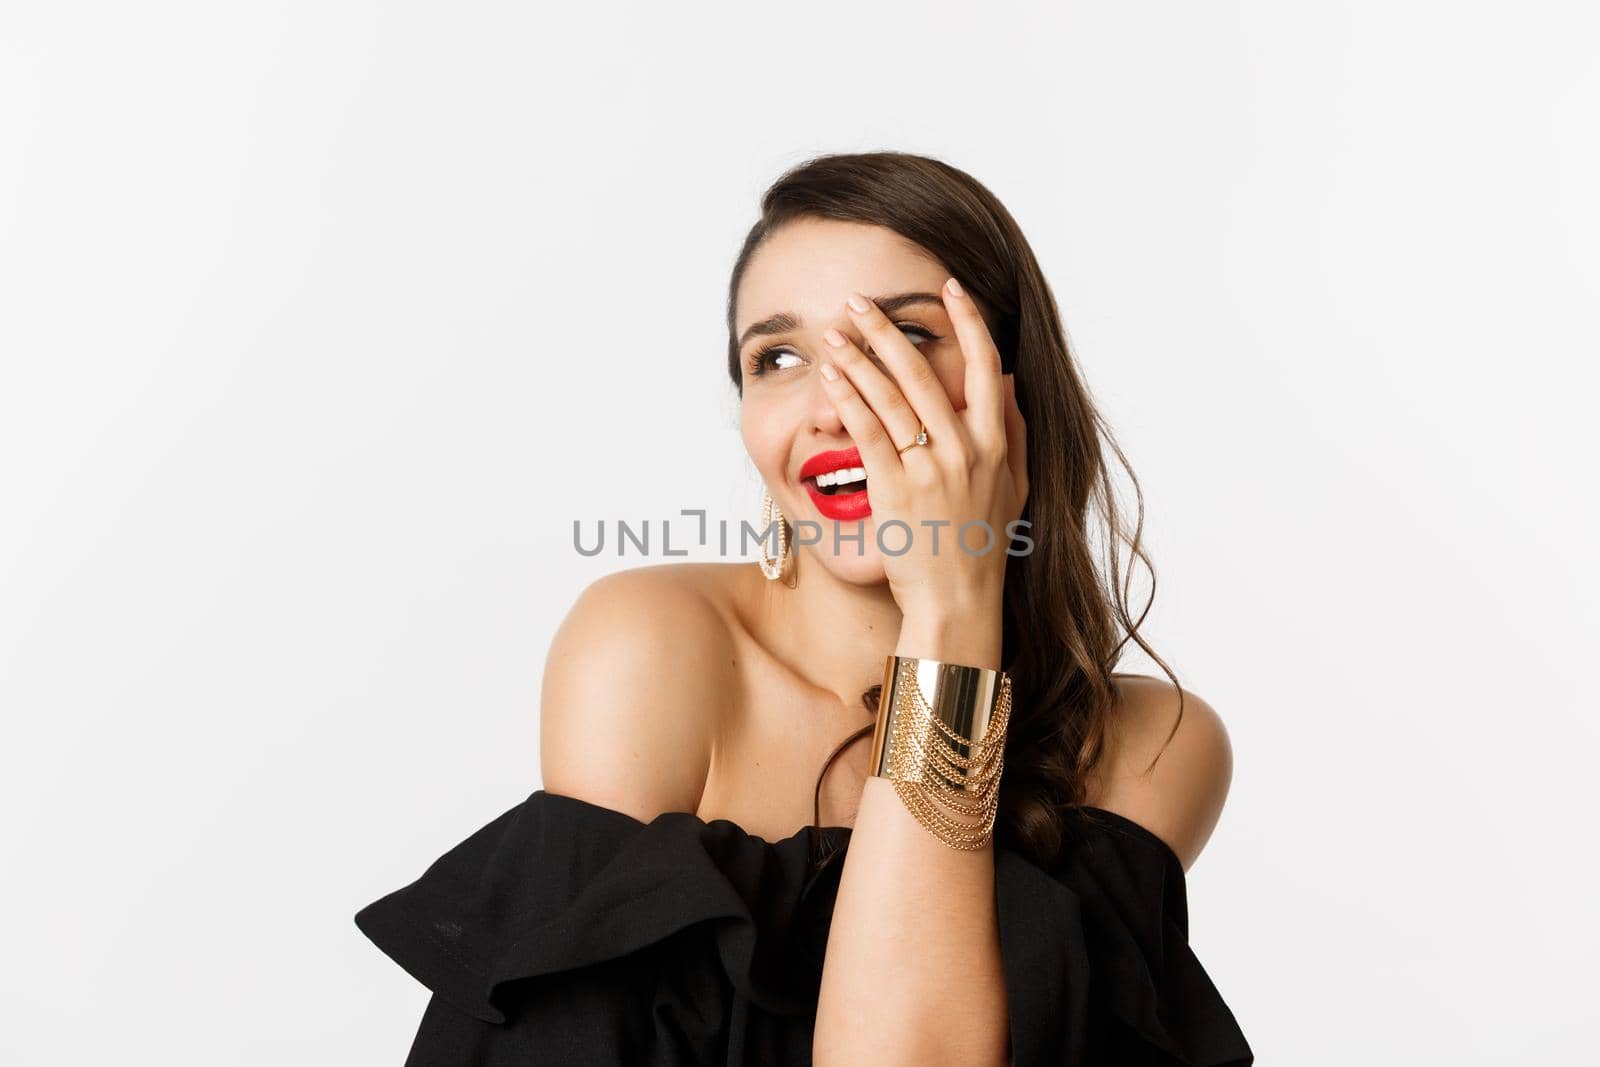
830, 372
857, 302
955, 287
833, 337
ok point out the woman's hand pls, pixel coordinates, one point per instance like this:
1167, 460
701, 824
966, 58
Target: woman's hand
972, 470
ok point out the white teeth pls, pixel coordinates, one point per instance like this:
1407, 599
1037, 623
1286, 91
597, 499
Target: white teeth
843, 477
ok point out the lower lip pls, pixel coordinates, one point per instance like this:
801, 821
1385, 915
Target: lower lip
844, 507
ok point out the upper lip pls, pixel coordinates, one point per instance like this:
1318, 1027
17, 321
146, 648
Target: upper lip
827, 462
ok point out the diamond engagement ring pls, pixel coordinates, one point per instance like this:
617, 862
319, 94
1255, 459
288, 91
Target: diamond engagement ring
920, 439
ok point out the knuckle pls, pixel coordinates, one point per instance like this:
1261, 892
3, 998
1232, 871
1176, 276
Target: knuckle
922, 375
874, 433
985, 451
896, 404
961, 462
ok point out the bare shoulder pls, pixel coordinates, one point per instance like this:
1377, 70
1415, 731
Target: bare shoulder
1180, 798
628, 707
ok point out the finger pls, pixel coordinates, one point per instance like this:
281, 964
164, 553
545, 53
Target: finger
1016, 438
871, 439
913, 374
874, 387
985, 403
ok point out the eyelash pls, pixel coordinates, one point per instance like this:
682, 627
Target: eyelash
757, 365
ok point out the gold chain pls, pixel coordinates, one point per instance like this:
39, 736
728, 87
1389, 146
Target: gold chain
926, 767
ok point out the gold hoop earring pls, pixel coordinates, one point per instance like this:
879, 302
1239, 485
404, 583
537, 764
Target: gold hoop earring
773, 567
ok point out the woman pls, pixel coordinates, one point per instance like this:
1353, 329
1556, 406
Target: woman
1000, 876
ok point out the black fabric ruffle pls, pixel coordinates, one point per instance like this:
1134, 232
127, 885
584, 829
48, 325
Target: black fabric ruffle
565, 932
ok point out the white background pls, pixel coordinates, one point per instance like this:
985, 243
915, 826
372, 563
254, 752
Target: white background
321, 321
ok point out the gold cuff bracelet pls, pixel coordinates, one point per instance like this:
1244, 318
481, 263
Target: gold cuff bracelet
940, 737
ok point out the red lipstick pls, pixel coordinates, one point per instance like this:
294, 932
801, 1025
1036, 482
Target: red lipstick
846, 506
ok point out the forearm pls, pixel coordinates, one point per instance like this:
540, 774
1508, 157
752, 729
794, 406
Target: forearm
913, 970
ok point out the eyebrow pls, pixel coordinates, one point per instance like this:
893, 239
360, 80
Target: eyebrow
785, 321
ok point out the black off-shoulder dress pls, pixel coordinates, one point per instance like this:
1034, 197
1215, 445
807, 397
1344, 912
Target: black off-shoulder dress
568, 933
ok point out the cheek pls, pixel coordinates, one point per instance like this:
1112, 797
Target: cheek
952, 374
763, 438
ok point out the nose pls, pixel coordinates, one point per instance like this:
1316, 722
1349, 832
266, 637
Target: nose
824, 415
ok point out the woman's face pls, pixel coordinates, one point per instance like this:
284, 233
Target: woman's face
794, 287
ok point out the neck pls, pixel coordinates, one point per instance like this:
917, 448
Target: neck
832, 633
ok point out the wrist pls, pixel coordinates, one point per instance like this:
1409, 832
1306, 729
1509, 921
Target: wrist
965, 635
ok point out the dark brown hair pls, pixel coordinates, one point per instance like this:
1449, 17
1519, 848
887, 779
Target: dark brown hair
1066, 620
